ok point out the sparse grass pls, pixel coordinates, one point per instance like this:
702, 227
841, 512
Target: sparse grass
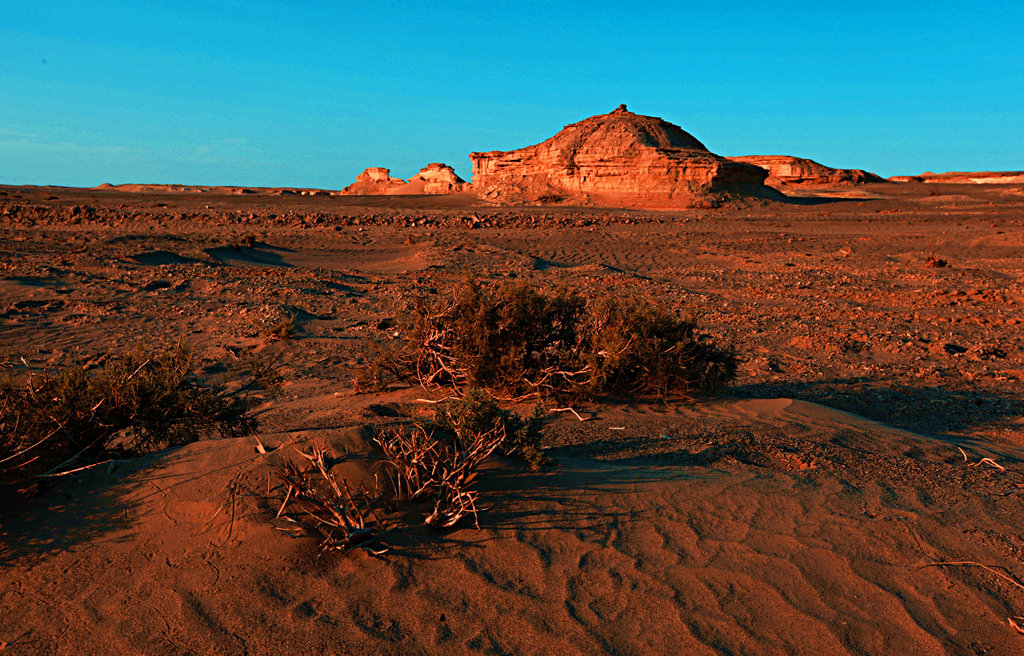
265, 376
54, 421
517, 343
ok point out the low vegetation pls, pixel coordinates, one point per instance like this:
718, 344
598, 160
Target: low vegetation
518, 343
436, 463
68, 417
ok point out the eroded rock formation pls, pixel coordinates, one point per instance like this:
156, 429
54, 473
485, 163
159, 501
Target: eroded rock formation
435, 178
619, 159
374, 181
784, 170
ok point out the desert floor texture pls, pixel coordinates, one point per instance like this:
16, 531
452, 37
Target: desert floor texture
830, 501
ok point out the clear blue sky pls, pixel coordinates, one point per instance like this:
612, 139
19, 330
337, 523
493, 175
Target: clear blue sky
309, 94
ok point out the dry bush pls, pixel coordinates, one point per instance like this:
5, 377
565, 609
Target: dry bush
315, 499
441, 460
517, 343
284, 329
135, 403
422, 463
437, 462
382, 364
477, 413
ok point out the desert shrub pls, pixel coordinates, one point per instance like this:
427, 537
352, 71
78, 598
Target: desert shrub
316, 500
437, 462
509, 339
516, 343
478, 413
284, 329
639, 347
135, 403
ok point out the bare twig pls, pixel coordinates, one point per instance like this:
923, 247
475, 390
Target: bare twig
988, 461
970, 563
73, 471
572, 411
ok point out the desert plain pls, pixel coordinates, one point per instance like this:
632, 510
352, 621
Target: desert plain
858, 489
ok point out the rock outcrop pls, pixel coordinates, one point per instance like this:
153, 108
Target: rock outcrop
619, 159
959, 177
374, 181
435, 178
784, 170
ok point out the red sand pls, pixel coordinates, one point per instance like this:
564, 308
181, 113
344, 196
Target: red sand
803, 513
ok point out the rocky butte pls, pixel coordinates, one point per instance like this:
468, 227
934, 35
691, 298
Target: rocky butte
619, 159
784, 170
435, 178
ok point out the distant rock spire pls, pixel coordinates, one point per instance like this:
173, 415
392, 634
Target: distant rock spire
621, 108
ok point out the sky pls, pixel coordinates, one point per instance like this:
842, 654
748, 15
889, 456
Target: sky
308, 94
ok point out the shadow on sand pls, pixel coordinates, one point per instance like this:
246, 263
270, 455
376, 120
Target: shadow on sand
937, 411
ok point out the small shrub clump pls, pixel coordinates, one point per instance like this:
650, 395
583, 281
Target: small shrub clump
437, 462
517, 343
135, 403
478, 413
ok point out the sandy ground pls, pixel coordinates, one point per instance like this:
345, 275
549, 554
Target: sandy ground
802, 511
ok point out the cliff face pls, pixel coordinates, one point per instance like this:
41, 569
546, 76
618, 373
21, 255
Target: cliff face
435, 178
785, 170
618, 159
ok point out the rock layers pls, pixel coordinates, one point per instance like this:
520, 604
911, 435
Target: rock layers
620, 159
784, 170
435, 178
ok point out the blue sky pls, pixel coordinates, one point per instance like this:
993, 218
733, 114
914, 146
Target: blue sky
309, 94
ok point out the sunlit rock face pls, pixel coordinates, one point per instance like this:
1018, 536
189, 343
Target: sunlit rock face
785, 170
374, 181
435, 178
619, 159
